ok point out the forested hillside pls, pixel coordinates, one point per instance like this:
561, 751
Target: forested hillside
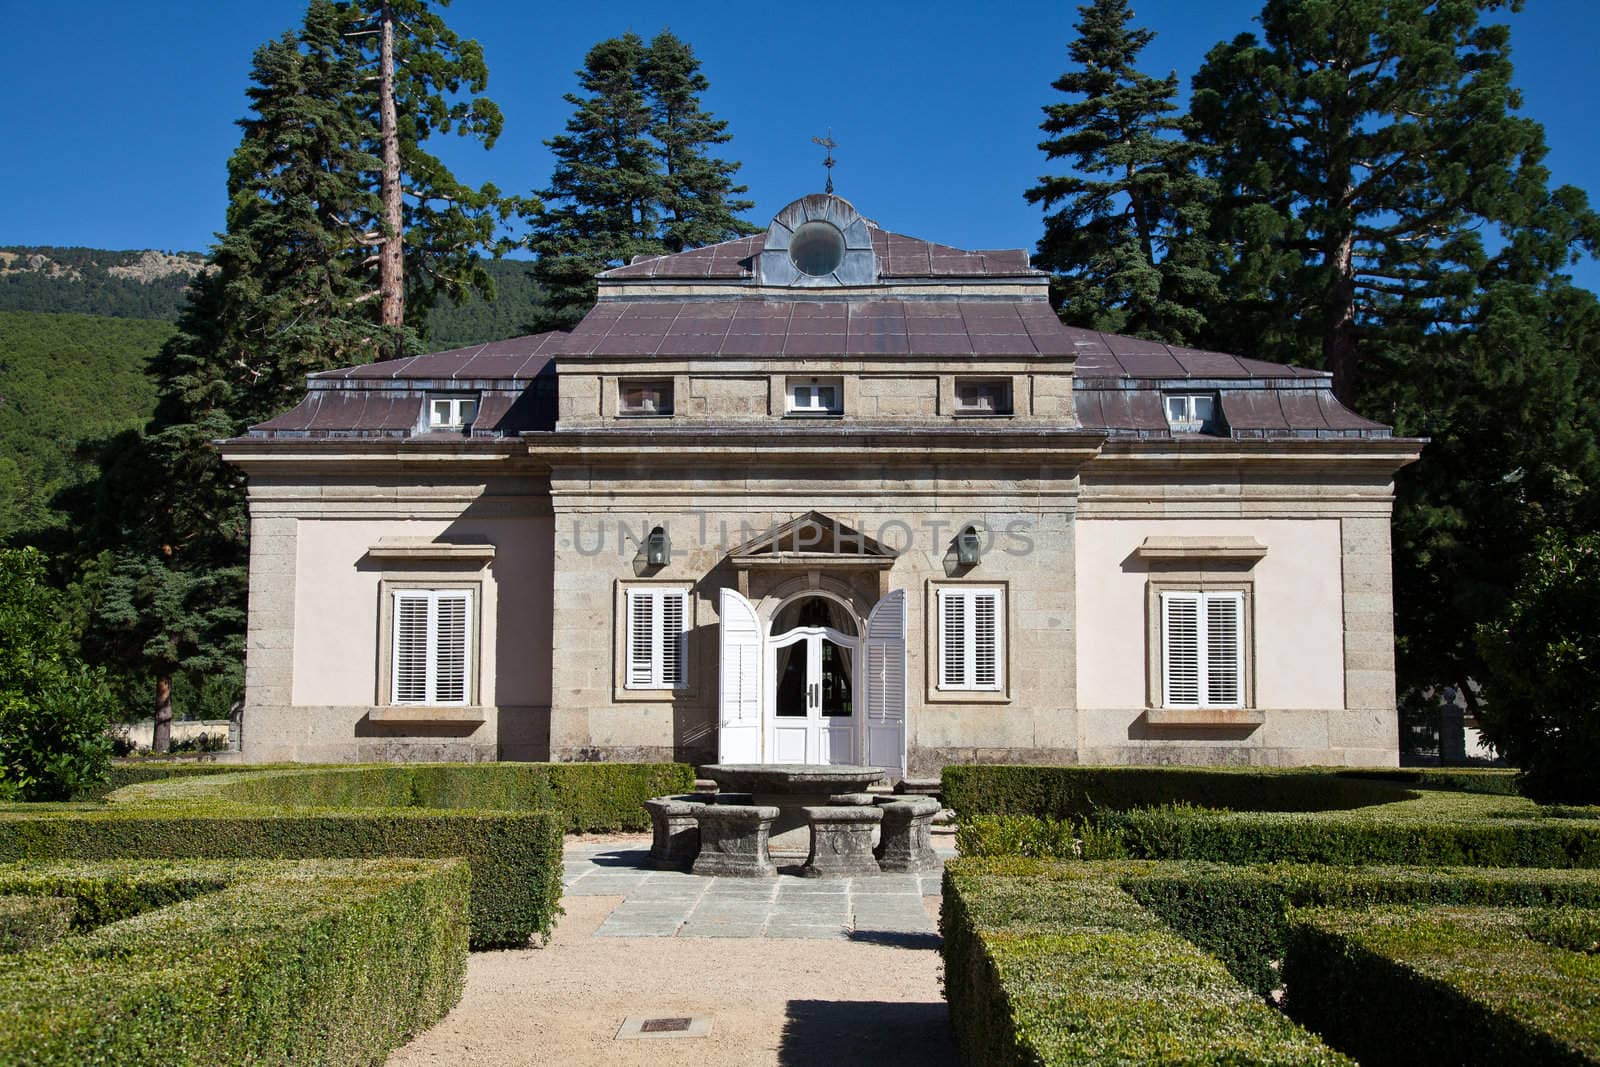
151, 285
65, 379
94, 281
508, 315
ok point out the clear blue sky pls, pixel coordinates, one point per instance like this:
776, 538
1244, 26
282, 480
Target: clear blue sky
116, 118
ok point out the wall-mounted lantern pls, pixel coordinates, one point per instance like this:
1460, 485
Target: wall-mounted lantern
657, 549
968, 550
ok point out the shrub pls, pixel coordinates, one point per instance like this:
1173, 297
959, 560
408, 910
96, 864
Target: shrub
1489, 992
29, 922
1072, 970
54, 711
1542, 673
1078, 792
1492, 781
595, 797
1397, 838
1239, 914
331, 962
515, 856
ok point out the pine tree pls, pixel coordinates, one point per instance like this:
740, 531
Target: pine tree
1128, 240
425, 80
287, 293
632, 175
695, 205
1362, 148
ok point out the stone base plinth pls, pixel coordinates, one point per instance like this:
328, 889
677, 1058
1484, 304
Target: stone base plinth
841, 841
733, 841
906, 844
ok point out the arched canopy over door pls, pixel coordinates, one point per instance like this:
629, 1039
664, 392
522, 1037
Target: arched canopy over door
739, 735
885, 684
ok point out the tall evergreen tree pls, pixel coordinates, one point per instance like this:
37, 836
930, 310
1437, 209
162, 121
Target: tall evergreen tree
288, 293
424, 80
696, 187
1362, 147
1128, 234
633, 173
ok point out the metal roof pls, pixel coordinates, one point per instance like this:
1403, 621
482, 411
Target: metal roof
899, 256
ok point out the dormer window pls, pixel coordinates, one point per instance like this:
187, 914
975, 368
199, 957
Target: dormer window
1191, 412
983, 396
456, 412
645, 397
816, 396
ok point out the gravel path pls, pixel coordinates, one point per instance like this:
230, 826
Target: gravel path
859, 999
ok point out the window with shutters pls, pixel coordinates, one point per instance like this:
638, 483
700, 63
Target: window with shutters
431, 660
970, 631
657, 639
1202, 649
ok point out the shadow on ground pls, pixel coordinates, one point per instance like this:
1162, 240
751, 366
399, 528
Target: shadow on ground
866, 1033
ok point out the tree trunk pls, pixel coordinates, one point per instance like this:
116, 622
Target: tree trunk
161, 737
391, 257
1339, 350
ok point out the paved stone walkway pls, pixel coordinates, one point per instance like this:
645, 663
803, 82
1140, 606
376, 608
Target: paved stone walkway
884, 909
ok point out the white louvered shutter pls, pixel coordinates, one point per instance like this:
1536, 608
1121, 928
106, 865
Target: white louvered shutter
952, 639
739, 641
410, 682
1224, 650
1202, 650
1180, 649
971, 628
674, 640
658, 639
451, 645
886, 683
432, 647
986, 640
641, 639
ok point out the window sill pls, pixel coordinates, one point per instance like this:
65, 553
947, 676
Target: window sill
1205, 716
983, 415
968, 696
420, 713
644, 414
813, 414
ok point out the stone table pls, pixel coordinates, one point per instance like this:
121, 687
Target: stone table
791, 788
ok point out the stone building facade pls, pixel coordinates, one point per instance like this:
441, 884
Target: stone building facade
826, 494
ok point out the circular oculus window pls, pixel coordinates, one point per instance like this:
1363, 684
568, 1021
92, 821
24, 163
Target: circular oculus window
816, 249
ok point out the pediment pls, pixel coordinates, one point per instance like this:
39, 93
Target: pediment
812, 538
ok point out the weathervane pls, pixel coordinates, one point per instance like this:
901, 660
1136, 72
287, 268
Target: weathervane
830, 144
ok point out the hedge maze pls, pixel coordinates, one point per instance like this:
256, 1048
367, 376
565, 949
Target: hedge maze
1093, 921
142, 962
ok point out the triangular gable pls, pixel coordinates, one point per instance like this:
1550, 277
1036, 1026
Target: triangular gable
811, 536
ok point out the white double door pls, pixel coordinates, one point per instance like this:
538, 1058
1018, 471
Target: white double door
812, 694
812, 697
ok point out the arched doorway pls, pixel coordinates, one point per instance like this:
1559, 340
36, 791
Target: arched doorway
813, 671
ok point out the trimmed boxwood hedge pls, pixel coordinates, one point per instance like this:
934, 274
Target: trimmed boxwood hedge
332, 962
1240, 914
515, 856
28, 922
1494, 781
1442, 986
595, 797
1080, 792
1073, 970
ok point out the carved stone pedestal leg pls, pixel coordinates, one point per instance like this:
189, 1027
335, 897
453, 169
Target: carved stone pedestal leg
676, 826
733, 841
841, 841
906, 844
